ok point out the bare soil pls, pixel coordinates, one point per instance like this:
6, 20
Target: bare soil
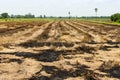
59, 50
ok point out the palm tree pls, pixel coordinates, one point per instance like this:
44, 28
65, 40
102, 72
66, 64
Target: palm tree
96, 10
69, 14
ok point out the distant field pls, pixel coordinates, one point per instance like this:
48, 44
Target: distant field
100, 20
96, 20
26, 19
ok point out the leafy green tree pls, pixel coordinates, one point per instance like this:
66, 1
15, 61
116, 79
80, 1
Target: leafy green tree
115, 17
12, 16
29, 15
44, 16
41, 16
4, 15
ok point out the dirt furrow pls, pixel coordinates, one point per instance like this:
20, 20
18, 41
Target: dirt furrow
19, 35
46, 34
92, 36
109, 31
71, 35
87, 37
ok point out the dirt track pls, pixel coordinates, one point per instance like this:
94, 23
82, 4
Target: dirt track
59, 50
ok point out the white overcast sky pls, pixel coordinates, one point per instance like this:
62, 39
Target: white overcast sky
60, 7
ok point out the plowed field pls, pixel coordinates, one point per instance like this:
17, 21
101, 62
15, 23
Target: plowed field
59, 50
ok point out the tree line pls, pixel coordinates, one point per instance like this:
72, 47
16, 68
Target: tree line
29, 15
6, 15
115, 17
